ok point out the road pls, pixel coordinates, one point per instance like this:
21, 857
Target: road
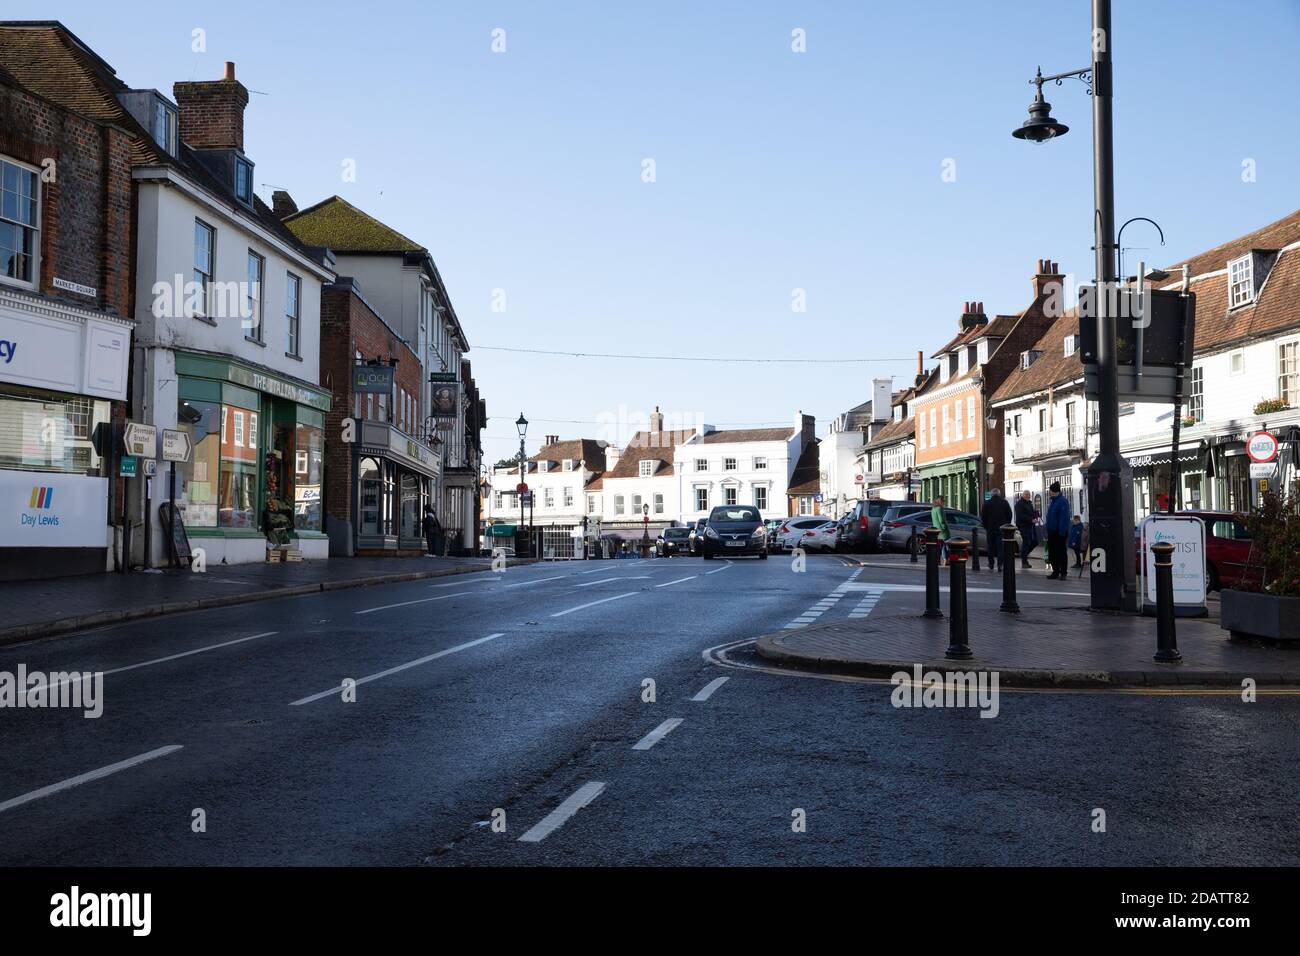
524, 692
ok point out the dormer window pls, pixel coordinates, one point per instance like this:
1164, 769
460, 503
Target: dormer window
647, 468
1027, 357
1241, 282
163, 126
568, 464
1069, 344
898, 413
244, 181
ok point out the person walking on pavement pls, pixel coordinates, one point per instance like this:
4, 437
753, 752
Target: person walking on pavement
1025, 525
1075, 542
995, 513
1058, 531
432, 532
940, 521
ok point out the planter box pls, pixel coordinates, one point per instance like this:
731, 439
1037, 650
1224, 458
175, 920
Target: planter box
1250, 614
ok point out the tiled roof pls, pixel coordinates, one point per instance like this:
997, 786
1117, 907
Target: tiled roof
999, 327
587, 450
892, 433
1052, 368
736, 435
1273, 236
341, 226
655, 446
806, 477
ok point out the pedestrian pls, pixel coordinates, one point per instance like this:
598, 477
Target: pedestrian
1076, 540
1025, 525
432, 532
995, 513
1058, 531
940, 521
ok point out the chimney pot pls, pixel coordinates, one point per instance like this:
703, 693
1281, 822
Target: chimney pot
230, 70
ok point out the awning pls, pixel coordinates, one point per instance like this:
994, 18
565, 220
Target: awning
1187, 455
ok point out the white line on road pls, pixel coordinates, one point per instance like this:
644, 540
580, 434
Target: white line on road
658, 734
707, 690
561, 814
716, 570
521, 584
678, 581
400, 667
386, 607
87, 777
163, 660
594, 603
621, 577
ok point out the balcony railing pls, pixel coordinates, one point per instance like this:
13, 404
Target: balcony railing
1055, 441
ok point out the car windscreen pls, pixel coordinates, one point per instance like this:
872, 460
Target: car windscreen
734, 513
677, 532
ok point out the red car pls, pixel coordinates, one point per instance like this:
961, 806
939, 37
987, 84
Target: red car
1227, 547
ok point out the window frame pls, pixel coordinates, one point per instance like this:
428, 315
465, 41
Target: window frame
1291, 394
38, 201
204, 279
260, 311
293, 328
240, 166
646, 468
1243, 283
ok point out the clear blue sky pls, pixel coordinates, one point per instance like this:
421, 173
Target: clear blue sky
775, 170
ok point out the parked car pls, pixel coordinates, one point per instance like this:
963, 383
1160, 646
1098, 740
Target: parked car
893, 516
821, 538
734, 530
842, 527
896, 532
792, 530
864, 524
673, 541
1227, 547
773, 525
696, 538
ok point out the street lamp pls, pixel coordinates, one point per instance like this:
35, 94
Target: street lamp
522, 427
1110, 514
645, 528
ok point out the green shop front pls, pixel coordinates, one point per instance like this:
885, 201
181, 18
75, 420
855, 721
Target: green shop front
957, 481
256, 473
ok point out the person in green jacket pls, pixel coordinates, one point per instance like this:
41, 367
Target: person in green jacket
938, 520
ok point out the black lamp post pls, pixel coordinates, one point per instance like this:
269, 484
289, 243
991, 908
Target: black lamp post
645, 528
522, 426
1110, 511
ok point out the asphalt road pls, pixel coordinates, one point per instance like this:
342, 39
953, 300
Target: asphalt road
524, 693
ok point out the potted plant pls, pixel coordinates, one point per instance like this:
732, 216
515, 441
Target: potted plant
1266, 601
1267, 406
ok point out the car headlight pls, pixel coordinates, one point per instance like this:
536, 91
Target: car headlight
710, 533
759, 532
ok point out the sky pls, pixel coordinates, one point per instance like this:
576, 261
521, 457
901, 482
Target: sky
871, 178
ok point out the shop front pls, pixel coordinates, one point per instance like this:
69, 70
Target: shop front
395, 478
1153, 480
256, 473
61, 370
957, 481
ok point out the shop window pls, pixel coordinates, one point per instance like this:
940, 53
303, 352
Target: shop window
237, 481
49, 433
309, 464
199, 477
370, 483
410, 491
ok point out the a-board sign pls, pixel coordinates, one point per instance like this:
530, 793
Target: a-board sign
174, 527
1187, 534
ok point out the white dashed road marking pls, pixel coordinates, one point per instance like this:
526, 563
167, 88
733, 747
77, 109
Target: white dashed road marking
707, 690
658, 734
386, 607
400, 667
87, 777
678, 581
594, 603
561, 814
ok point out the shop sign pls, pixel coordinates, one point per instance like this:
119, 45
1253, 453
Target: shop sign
444, 399
1187, 535
86, 357
372, 379
47, 510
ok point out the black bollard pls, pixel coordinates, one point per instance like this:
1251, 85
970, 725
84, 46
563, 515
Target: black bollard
1166, 635
975, 550
1009, 603
932, 573
912, 548
958, 640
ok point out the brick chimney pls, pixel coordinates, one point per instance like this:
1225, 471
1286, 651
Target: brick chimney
1047, 275
656, 420
972, 315
920, 367
282, 204
212, 112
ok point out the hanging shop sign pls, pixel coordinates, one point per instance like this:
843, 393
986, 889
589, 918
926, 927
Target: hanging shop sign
373, 379
444, 399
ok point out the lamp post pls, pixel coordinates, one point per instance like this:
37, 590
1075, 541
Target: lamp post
522, 426
1109, 495
645, 530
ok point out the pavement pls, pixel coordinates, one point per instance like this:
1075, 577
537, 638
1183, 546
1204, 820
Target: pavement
1066, 646
608, 713
61, 605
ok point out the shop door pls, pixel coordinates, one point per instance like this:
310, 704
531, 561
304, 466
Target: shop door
410, 492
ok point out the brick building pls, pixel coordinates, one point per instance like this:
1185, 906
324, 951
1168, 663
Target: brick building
377, 484
66, 220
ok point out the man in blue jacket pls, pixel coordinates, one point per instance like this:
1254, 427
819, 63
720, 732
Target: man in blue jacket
1058, 531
